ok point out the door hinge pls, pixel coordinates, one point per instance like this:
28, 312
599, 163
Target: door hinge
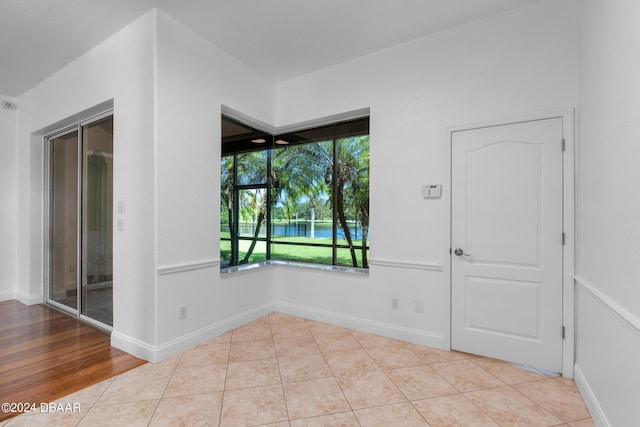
564, 144
564, 238
563, 332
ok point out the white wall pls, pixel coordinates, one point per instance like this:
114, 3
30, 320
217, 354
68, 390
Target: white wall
8, 218
516, 63
194, 78
167, 86
119, 69
607, 267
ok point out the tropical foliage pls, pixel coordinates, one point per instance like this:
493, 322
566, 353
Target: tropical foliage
307, 181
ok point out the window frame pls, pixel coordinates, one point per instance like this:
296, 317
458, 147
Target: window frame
333, 133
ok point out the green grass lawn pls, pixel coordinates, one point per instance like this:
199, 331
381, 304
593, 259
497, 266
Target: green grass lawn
313, 254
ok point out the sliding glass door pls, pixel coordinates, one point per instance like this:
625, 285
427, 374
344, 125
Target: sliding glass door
64, 208
81, 220
97, 220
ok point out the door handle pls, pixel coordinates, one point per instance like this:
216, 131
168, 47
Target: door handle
460, 252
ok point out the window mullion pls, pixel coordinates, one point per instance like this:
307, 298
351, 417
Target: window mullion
268, 213
235, 246
334, 186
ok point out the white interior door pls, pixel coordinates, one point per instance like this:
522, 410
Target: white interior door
506, 262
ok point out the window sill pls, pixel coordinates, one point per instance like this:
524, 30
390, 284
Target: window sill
307, 265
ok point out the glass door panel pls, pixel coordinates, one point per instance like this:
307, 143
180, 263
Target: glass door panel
80, 220
97, 220
252, 225
63, 283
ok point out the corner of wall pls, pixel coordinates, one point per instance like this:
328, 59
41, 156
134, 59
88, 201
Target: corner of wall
9, 212
157, 353
606, 368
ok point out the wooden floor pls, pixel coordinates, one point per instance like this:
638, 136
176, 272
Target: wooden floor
45, 355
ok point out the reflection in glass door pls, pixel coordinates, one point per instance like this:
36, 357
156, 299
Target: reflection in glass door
63, 280
81, 220
97, 220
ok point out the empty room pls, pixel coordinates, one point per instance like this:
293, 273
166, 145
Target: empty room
299, 213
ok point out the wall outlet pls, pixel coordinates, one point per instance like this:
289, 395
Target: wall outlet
183, 312
418, 306
395, 303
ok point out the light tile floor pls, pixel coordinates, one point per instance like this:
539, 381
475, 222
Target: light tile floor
286, 371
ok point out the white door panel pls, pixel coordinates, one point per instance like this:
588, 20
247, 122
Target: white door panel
493, 234
507, 219
519, 311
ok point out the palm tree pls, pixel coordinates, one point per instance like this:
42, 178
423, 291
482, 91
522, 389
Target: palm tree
351, 188
353, 156
303, 168
256, 205
226, 194
251, 169
299, 170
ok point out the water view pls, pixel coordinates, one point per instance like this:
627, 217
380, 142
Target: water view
300, 229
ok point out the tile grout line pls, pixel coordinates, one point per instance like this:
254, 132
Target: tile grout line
542, 406
511, 385
335, 378
486, 388
173, 371
547, 377
404, 394
284, 397
226, 374
460, 392
332, 372
96, 401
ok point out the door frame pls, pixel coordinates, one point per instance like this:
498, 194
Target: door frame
568, 224
74, 125
48, 300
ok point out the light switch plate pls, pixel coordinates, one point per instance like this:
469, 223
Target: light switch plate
432, 191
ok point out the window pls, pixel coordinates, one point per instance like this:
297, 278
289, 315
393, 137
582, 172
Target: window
301, 196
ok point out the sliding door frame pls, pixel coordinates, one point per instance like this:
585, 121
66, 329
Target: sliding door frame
48, 227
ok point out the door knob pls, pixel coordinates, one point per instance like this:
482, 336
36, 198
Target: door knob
460, 252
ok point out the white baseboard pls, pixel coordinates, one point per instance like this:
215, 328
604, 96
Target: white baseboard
156, 353
597, 414
416, 336
29, 299
134, 346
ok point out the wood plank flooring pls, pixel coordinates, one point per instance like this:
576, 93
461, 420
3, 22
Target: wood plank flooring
45, 355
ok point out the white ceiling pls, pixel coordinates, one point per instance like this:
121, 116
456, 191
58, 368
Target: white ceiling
280, 39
